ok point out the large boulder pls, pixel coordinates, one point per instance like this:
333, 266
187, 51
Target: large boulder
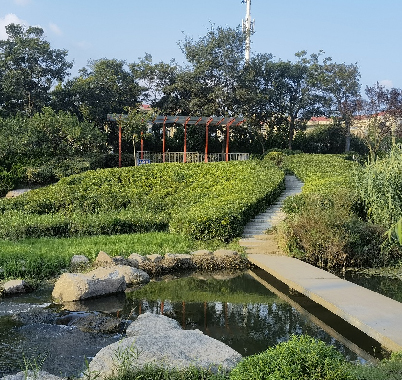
159, 340
32, 375
79, 286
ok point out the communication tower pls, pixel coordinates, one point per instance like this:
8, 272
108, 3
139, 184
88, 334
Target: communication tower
248, 28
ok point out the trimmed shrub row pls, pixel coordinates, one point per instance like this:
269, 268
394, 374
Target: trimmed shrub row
199, 200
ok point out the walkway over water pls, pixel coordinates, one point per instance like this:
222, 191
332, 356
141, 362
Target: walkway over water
376, 315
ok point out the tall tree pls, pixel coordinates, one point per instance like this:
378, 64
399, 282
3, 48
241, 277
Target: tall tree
105, 86
28, 70
381, 120
216, 60
340, 84
295, 98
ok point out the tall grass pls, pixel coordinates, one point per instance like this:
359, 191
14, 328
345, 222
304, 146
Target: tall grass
47, 257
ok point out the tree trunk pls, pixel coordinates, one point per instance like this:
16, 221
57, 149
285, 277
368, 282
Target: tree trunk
291, 132
134, 152
347, 139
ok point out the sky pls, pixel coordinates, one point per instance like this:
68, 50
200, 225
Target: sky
367, 33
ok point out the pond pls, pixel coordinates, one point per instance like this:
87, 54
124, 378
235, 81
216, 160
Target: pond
388, 284
249, 311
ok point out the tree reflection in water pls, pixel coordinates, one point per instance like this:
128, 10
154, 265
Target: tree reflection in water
238, 311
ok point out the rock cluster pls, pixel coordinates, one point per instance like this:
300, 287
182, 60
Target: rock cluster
116, 273
108, 279
202, 260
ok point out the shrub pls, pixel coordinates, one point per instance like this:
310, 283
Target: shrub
387, 369
204, 201
299, 358
380, 185
323, 225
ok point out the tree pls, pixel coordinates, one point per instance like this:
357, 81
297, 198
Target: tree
28, 70
216, 61
104, 87
156, 80
135, 126
381, 120
340, 85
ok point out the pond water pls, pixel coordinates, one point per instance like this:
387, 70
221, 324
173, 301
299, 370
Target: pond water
388, 286
237, 309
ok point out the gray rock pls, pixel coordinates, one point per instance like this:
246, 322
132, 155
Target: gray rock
16, 193
202, 252
78, 260
32, 375
225, 253
14, 287
158, 340
132, 276
178, 261
103, 259
138, 258
78, 286
155, 259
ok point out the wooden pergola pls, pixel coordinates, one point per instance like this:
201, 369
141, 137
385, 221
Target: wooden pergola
197, 120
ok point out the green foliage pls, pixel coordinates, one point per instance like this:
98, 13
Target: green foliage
380, 186
46, 135
153, 372
46, 257
327, 139
299, 358
323, 227
387, 369
201, 201
28, 70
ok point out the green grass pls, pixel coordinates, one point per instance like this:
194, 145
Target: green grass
47, 257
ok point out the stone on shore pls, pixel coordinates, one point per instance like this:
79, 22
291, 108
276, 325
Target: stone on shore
132, 276
159, 340
32, 375
14, 287
79, 286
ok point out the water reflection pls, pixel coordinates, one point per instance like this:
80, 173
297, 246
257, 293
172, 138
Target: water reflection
238, 311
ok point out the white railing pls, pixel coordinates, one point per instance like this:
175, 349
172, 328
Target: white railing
149, 157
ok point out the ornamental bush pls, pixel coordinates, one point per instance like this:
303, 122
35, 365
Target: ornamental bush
299, 358
203, 201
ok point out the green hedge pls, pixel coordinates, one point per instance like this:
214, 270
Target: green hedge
299, 358
203, 201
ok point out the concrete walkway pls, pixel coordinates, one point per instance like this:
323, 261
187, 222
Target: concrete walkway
376, 315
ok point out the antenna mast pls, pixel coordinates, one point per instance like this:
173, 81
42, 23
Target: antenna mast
248, 28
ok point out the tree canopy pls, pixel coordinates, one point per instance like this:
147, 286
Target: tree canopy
28, 70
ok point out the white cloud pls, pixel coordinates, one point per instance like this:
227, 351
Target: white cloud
22, 2
55, 29
386, 83
10, 18
84, 45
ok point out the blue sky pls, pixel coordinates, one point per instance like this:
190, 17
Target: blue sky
366, 32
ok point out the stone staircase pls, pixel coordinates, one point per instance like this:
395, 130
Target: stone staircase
254, 237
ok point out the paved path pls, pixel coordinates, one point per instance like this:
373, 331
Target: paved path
376, 315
